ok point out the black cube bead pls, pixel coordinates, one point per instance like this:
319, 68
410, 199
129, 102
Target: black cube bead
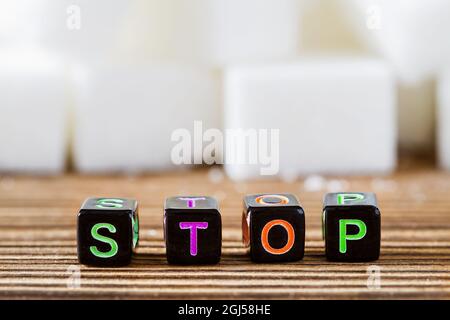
108, 231
273, 226
351, 227
192, 230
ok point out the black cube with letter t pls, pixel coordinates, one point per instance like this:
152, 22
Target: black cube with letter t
192, 230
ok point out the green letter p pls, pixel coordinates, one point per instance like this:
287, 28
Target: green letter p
343, 236
344, 198
114, 247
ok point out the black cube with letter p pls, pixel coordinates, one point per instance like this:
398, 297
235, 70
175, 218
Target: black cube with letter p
351, 227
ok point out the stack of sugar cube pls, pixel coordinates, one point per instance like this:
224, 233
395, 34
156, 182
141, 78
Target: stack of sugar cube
38, 41
136, 73
172, 94
411, 35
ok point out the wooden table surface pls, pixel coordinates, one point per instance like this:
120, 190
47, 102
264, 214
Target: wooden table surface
38, 245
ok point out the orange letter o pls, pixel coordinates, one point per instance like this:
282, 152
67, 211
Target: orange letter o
265, 236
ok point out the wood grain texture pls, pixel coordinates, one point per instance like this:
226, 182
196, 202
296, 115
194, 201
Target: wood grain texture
38, 240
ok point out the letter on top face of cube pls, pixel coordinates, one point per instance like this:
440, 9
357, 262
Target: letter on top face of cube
108, 231
273, 225
192, 230
351, 226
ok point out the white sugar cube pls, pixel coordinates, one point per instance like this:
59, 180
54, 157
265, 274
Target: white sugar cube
443, 117
77, 29
33, 112
225, 31
126, 115
326, 28
412, 34
334, 117
416, 104
147, 32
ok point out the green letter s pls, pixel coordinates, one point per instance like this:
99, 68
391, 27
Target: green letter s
111, 242
343, 236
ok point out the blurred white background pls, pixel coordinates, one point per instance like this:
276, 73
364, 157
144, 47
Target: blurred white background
100, 85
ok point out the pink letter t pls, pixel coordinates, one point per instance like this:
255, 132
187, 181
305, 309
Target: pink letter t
193, 226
